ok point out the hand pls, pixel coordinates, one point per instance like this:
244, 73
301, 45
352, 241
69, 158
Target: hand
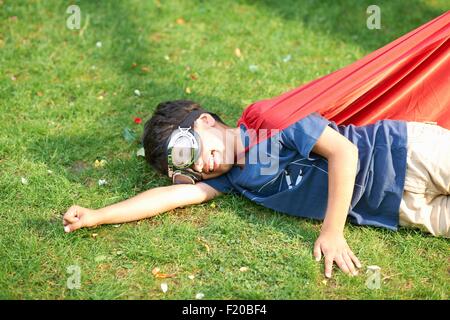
335, 249
78, 217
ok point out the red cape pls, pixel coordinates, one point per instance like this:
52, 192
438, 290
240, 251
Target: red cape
408, 79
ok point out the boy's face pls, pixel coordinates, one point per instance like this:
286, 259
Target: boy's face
217, 147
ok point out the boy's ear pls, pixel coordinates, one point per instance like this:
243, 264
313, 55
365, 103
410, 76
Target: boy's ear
205, 119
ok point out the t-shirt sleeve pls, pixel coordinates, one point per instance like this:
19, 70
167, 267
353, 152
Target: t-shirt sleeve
221, 183
303, 134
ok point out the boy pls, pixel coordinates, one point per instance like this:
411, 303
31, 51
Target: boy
385, 174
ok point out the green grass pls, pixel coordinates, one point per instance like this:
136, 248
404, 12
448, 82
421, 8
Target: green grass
52, 118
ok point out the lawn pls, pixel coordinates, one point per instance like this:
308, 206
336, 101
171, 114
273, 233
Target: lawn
66, 97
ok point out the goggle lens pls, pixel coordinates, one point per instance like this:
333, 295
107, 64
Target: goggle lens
184, 148
182, 156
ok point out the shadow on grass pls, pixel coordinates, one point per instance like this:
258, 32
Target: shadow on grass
345, 20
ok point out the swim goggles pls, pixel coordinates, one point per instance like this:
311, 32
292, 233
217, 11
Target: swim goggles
183, 149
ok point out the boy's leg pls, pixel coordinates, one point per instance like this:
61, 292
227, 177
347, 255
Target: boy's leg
425, 212
426, 199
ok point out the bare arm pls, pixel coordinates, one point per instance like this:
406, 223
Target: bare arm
342, 156
144, 205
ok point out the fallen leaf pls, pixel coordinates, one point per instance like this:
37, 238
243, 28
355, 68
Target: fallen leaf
145, 69
103, 266
155, 271
164, 287
199, 296
238, 53
129, 135
194, 76
205, 244
324, 282
180, 21
94, 235
99, 163
243, 269
13, 78
191, 276
119, 252
188, 90
213, 205
134, 65
165, 275
39, 94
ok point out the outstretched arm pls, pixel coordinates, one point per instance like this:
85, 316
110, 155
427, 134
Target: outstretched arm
342, 156
144, 205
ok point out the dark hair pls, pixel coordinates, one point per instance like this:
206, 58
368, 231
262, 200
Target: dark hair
166, 118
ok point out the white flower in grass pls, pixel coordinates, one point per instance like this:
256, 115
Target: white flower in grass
164, 287
137, 92
199, 296
253, 68
140, 152
98, 44
287, 58
102, 182
24, 180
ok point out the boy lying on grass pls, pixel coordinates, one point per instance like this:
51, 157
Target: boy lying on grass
385, 174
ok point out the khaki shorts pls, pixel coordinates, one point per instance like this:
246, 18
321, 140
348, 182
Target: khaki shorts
426, 198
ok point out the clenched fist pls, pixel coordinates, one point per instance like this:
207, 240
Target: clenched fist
78, 217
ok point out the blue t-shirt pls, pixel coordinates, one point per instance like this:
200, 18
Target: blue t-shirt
297, 184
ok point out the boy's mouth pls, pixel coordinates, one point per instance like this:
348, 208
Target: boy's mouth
212, 162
